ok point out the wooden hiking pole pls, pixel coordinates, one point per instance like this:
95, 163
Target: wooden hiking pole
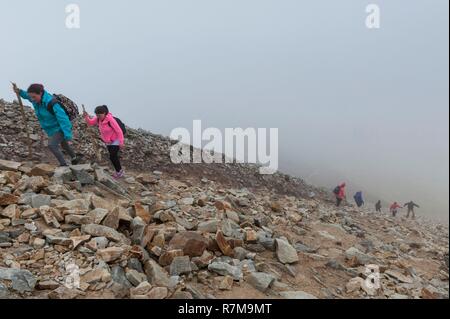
97, 152
22, 110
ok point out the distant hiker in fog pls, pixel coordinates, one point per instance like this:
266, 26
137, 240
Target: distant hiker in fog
378, 206
112, 133
394, 208
359, 199
339, 192
53, 120
410, 205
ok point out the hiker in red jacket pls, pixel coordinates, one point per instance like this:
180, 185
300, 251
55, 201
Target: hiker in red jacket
394, 208
111, 134
339, 191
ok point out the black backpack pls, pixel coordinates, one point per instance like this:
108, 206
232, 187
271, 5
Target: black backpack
122, 126
337, 189
67, 105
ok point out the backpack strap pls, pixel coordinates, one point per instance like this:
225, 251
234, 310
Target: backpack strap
51, 104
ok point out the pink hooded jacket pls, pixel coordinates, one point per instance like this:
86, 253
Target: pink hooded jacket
110, 131
341, 194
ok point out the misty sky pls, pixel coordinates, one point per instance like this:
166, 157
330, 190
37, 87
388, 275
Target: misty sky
367, 106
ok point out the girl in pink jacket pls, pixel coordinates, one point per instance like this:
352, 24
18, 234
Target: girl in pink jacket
111, 134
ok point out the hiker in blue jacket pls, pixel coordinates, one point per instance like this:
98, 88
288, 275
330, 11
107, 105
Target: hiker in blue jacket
57, 125
359, 199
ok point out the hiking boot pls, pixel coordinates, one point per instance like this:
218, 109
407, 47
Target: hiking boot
76, 160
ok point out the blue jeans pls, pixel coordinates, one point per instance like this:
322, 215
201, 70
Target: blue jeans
53, 144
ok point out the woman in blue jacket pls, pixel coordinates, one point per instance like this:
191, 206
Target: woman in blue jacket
57, 124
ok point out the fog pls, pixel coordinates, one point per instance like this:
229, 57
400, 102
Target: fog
366, 106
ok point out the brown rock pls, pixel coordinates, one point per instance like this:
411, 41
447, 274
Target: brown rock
159, 240
147, 179
110, 254
9, 165
223, 244
276, 207
12, 211
8, 199
112, 219
250, 235
77, 240
222, 205
192, 243
42, 170
157, 207
167, 257
142, 213
47, 214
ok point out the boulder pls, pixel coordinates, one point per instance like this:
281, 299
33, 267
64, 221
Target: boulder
285, 252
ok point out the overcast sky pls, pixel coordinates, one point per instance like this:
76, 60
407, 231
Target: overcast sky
368, 106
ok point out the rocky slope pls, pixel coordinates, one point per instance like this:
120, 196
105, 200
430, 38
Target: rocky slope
194, 231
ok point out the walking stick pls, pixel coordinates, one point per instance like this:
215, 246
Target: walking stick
22, 110
97, 152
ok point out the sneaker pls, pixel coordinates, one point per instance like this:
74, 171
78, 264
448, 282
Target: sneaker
118, 175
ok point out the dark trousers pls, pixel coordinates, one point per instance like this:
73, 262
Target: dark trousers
114, 156
338, 201
55, 142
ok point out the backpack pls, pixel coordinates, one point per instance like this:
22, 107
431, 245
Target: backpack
336, 190
122, 126
67, 104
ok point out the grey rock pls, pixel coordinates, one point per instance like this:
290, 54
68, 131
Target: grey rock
134, 263
103, 231
22, 280
225, 269
118, 275
39, 200
285, 252
260, 280
266, 240
138, 228
62, 175
303, 248
240, 253
209, 226
135, 277
360, 256
180, 265
156, 275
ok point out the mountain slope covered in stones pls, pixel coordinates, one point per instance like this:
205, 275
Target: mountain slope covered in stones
193, 231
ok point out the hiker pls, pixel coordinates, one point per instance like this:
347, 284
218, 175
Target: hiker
359, 199
411, 206
394, 208
378, 206
53, 120
111, 134
339, 191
